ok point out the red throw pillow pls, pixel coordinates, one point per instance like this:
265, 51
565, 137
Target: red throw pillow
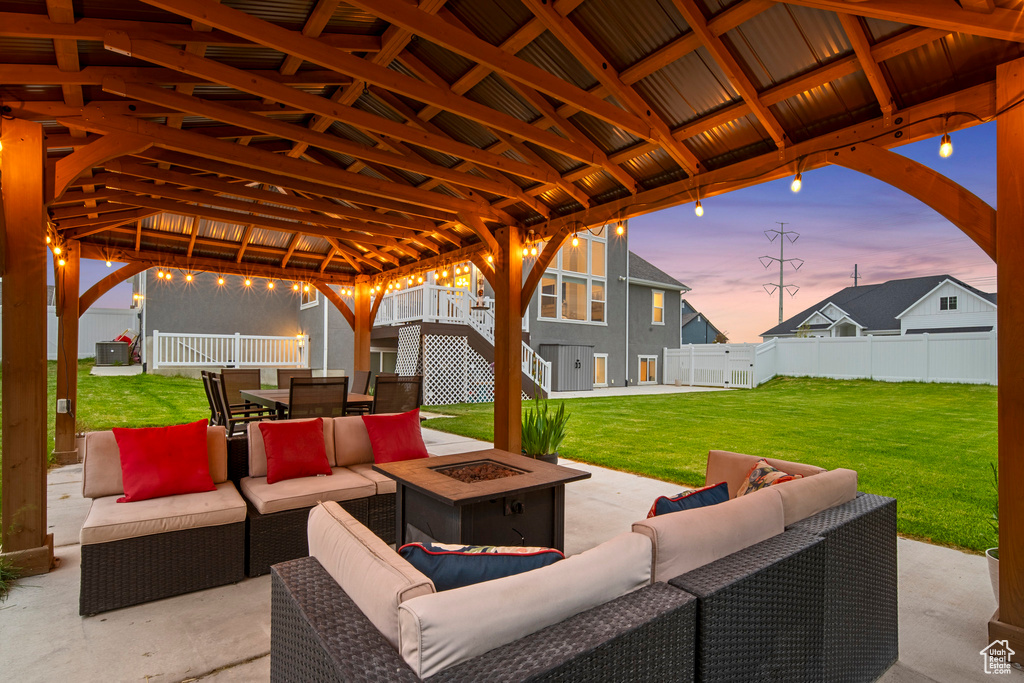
295, 449
163, 461
395, 437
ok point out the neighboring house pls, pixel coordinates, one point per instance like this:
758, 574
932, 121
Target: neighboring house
934, 304
51, 293
695, 326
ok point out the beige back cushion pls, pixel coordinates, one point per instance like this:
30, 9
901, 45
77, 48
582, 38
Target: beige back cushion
443, 629
351, 441
258, 451
101, 471
802, 498
733, 467
692, 538
376, 578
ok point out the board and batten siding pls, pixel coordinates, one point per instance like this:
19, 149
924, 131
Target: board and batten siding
971, 311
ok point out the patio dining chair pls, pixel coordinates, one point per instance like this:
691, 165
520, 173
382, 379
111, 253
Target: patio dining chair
360, 384
215, 416
233, 416
236, 380
397, 394
317, 397
284, 376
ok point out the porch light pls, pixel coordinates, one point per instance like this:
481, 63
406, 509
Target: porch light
248, 282
796, 184
946, 148
698, 209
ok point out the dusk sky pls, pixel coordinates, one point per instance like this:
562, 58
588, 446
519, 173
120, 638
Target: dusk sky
843, 217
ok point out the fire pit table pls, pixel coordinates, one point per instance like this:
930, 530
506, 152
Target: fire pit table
490, 497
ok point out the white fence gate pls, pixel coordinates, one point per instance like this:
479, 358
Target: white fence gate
177, 349
95, 325
965, 358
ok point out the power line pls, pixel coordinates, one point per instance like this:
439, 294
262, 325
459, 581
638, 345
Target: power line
782, 235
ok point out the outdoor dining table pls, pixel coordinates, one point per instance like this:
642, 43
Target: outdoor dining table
278, 399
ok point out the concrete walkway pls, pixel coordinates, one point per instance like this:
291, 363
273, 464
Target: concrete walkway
223, 634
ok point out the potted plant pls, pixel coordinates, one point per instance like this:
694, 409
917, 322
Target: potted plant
993, 553
543, 430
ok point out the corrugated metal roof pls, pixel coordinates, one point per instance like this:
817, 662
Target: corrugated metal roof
494, 21
444, 63
549, 54
626, 32
495, 93
291, 14
842, 103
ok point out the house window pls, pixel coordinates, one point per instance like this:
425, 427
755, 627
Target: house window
648, 370
657, 307
573, 287
600, 369
947, 303
310, 298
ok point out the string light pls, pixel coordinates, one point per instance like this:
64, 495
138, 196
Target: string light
490, 258
946, 148
56, 250
270, 284
444, 273
698, 209
575, 240
248, 282
220, 280
305, 289
108, 264
61, 262
160, 274
797, 183
458, 270
188, 277
620, 228
168, 277
533, 250
48, 239
419, 280
398, 284
295, 287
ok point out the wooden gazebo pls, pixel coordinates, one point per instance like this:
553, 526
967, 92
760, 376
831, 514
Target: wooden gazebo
355, 143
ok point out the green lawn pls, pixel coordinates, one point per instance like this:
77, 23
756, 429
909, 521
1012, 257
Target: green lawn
927, 445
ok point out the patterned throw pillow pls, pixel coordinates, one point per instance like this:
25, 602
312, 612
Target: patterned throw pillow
454, 566
762, 475
688, 500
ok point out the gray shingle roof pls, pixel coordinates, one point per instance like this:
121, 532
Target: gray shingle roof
687, 317
639, 269
875, 307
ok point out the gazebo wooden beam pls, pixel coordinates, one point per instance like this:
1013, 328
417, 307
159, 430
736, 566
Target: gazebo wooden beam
106, 284
338, 302
66, 285
858, 37
544, 259
508, 324
107, 147
1008, 623
1001, 24
23, 529
44, 74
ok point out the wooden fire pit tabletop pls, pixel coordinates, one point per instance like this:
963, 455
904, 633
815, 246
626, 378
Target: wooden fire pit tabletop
421, 476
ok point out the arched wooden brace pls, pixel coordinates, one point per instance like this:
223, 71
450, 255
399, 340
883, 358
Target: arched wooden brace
963, 209
106, 148
338, 302
108, 283
476, 224
544, 260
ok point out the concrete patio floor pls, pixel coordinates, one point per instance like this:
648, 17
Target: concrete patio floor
223, 634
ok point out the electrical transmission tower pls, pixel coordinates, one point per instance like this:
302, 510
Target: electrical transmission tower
856, 275
782, 235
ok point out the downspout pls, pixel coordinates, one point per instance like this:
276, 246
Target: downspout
626, 382
326, 312
143, 278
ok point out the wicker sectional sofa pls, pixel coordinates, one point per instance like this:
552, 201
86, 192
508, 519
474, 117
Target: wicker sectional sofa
796, 582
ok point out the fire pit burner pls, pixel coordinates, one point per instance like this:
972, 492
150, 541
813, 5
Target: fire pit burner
478, 470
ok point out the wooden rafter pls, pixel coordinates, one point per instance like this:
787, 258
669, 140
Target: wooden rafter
44, 74
732, 68
106, 284
862, 48
246, 236
193, 235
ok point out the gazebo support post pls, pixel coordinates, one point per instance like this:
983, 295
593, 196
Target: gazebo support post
508, 324
23, 516
362, 325
1008, 622
66, 278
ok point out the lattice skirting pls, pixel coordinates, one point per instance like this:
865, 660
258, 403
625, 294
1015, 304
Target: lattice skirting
452, 371
408, 361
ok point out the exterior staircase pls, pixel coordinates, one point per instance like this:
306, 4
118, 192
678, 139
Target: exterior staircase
454, 371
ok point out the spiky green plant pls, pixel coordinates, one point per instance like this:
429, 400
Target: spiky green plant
994, 519
8, 573
543, 430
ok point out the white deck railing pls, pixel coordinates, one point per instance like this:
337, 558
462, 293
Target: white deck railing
455, 305
177, 349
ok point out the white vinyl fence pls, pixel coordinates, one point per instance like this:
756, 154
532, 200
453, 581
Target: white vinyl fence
178, 349
965, 358
95, 325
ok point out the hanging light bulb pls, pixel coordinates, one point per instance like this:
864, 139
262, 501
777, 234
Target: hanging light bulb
270, 284
575, 240
248, 282
305, 288
168, 276
620, 228
946, 148
490, 258
398, 284
410, 279
220, 280
61, 262
160, 274
444, 273
698, 209
109, 264
458, 270
797, 183
419, 280
378, 288
295, 287
188, 277
56, 250
47, 239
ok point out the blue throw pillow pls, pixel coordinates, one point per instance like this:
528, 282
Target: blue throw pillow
453, 566
688, 500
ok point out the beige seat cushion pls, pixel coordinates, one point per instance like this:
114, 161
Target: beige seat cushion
376, 578
291, 494
733, 467
351, 441
101, 471
109, 520
802, 498
258, 450
385, 484
443, 629
692, 538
